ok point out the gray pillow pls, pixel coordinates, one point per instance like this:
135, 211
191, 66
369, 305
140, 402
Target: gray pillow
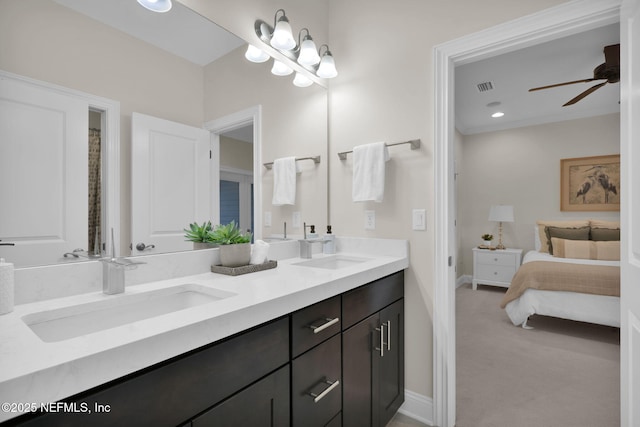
581, 233
605, 234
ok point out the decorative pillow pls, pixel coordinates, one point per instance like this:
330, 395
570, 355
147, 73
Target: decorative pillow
604, 234
581, 233
599, 223
542, 235
586, 249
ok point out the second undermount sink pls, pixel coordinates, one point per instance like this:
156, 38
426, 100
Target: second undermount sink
333, 262
113, 311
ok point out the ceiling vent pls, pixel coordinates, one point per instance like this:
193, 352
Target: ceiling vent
485, 86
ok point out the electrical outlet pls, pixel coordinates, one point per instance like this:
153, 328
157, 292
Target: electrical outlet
369, 220
267, 219
419, 219
296, 220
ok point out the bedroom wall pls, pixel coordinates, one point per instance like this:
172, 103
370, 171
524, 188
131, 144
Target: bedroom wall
521, 167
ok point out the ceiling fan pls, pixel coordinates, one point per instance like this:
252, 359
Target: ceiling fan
609, 71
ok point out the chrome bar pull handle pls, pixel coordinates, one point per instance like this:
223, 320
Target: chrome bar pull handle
382, 343
325, 325
389, 335
318, 397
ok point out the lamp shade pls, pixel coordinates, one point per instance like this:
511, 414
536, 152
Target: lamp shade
301, 80
280, 68
282, 37
327, 68
308, 53
254, 54
501, 213
156, 5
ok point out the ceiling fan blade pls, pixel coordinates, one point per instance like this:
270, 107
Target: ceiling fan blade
612, 55
563, 84
585, 93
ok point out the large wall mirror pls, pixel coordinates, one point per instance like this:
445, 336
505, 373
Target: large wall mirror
62, 43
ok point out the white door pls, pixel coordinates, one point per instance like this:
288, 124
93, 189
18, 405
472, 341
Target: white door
43, 208
630, 213
170, 183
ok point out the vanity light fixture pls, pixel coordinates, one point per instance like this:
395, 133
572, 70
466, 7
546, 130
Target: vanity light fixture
156, 5
311, 64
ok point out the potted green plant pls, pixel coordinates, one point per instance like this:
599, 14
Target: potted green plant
487, 238
235, 246
199, 235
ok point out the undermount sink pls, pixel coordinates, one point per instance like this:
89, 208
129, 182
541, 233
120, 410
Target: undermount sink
82, 319
334, 262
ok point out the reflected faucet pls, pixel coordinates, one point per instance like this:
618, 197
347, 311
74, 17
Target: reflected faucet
306, 245
113, 269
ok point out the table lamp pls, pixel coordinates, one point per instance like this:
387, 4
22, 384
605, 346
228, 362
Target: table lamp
500, 214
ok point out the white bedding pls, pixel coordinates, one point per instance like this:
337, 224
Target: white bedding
600, 309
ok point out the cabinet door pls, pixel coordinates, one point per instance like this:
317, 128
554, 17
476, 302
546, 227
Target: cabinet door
391, 362
264, 404
357, 373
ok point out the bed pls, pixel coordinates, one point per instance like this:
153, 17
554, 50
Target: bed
579, 289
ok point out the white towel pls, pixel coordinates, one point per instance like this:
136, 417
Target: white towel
368, 171
259, 252
284, 181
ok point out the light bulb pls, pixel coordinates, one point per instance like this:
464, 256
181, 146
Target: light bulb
254, 54
308, 52
327, 68
301, 80
156, 5
280, 69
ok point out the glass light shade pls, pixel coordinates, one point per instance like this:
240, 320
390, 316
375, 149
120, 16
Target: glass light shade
501, 213
254, 54
280, 69
282, 37
302, 81
156, 5
308, 53
327, 68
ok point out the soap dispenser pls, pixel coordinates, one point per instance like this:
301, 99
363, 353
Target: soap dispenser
329, 246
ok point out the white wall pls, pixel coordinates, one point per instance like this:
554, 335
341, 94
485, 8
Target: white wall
384, 92
521, 167
236, 154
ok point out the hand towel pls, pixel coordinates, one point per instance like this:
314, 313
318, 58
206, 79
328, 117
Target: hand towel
259, 252
284, 181
368, 172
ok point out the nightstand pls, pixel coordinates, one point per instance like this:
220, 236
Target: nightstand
495, 267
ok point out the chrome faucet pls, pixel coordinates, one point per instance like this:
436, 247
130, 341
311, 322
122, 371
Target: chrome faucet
306, 245
113, 269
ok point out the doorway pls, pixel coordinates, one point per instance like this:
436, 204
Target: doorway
544, 26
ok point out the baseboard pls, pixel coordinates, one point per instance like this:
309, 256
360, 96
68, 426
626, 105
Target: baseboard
466, 278
418, 407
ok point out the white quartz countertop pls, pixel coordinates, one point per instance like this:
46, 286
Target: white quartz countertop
34, 371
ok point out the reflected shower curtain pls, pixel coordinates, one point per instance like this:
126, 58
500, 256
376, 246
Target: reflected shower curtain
94, 192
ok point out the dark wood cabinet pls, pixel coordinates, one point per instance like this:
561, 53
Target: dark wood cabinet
264, 404
373, 354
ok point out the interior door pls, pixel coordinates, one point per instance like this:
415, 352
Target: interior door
630, 213
170, 183
44, 208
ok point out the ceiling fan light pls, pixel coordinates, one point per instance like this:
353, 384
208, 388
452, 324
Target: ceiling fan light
308, 52
282, 37
280, 69
156, 5
327, 68
256, 55
301, 80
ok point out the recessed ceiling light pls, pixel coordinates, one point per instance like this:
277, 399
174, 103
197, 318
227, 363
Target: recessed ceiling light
497, 114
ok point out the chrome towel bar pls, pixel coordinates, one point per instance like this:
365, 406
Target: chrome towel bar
415, 144
316, 160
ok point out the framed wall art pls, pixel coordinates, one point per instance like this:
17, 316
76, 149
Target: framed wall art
590, 183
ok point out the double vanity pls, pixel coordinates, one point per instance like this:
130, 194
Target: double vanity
312, 342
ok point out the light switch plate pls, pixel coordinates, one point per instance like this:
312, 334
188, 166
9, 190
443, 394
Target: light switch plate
267, 219
369, 220
296, 219
419, 219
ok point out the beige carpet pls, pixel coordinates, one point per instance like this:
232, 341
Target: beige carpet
561, 374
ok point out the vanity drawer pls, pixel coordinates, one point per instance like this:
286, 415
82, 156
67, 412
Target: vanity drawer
362, 302
314, 324
316, 391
